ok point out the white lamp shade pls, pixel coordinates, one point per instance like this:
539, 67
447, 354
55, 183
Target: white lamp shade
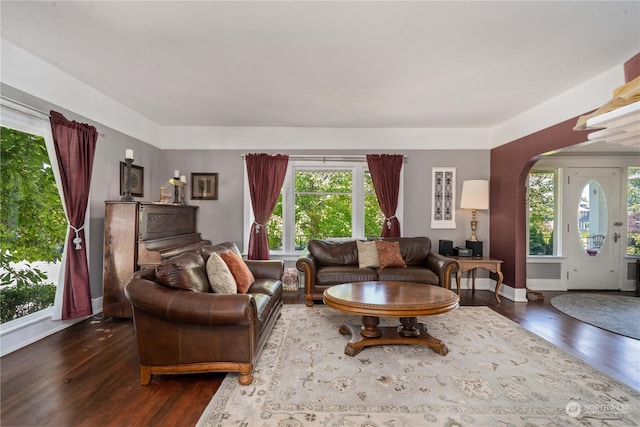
475, 194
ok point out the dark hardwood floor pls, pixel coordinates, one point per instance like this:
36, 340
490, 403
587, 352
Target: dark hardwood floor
87, 375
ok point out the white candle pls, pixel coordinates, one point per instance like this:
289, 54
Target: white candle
183, 178
128, 153
176, 173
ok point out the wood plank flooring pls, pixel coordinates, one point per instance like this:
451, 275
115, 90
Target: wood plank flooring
88, 375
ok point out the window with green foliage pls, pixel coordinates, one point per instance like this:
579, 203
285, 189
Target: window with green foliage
327, 201
32, 224
323, 204
373, 216
542, 208
633, 212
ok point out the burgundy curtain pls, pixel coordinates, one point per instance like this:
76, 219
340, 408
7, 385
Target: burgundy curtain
75, 145
266, 175
385, 174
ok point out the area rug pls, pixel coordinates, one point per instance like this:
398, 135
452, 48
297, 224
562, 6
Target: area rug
614, 313
496, 373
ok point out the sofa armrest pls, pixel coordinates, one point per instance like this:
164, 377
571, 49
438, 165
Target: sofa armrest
266, 269
443, 266
306, 264
197, 308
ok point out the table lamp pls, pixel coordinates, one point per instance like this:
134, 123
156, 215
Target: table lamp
475, 195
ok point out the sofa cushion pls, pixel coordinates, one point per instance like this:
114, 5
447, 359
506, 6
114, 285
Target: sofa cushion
239, 270
333, 275
414, 250
220, 277
334, 253
389, 254
368, 255
270, 287
186, 271
409, 274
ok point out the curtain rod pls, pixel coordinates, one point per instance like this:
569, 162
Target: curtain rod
324, 159
41, 114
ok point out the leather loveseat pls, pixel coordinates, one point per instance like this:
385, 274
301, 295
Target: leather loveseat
186, 328
328, 263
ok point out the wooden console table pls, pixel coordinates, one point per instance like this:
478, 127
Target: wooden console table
472, 263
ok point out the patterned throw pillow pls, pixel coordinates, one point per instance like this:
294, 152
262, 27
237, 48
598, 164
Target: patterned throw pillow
368, 255
389, 254
186, 271
220, 277
239, 270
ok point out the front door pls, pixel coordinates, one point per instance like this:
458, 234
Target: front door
593, 228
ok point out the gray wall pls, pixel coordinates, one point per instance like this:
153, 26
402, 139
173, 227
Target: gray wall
222, 219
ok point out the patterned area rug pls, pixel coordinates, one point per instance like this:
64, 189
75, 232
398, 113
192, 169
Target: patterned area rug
496, 373
615, 313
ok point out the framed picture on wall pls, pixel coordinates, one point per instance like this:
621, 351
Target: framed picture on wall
137, 180
204, 186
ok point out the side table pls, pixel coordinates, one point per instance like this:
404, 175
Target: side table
472, 263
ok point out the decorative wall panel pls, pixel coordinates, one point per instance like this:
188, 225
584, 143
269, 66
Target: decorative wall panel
443, 197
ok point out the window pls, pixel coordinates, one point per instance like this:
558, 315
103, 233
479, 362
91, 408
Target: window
320, 200
32, 226
633, 212
542, 208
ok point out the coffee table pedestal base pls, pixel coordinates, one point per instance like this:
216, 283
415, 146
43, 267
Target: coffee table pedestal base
417, 335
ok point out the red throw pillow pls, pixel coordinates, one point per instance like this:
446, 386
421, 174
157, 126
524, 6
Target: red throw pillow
389, 254
239, 271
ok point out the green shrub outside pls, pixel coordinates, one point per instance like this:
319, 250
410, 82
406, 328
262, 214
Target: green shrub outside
28, 294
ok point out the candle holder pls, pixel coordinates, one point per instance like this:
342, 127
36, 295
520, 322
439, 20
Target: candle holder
164, 197
127, 181
182, 195
176, 189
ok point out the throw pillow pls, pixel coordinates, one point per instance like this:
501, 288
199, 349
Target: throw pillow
239, 270
220, 277
186, 271
368, 255
389, 254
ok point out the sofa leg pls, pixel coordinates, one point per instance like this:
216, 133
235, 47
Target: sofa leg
145, 374
246, 375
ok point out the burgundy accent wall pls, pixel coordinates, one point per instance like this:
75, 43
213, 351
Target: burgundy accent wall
632, 68
510, 164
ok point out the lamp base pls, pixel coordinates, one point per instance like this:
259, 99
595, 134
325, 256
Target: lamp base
474, 226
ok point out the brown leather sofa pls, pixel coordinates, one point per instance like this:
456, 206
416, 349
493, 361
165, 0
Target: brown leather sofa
328, 263
184, 329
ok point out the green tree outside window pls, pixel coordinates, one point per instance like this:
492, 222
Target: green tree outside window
32, 223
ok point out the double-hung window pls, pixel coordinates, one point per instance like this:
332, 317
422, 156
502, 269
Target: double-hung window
327, 199
542, 209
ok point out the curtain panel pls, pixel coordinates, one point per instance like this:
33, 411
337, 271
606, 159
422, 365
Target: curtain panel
385, 174
265, 174
75, 145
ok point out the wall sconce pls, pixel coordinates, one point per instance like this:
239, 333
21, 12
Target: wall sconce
475, 196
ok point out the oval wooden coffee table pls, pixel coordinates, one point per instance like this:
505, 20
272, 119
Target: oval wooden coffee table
405, 300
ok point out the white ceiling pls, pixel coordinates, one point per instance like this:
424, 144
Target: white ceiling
334, 64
